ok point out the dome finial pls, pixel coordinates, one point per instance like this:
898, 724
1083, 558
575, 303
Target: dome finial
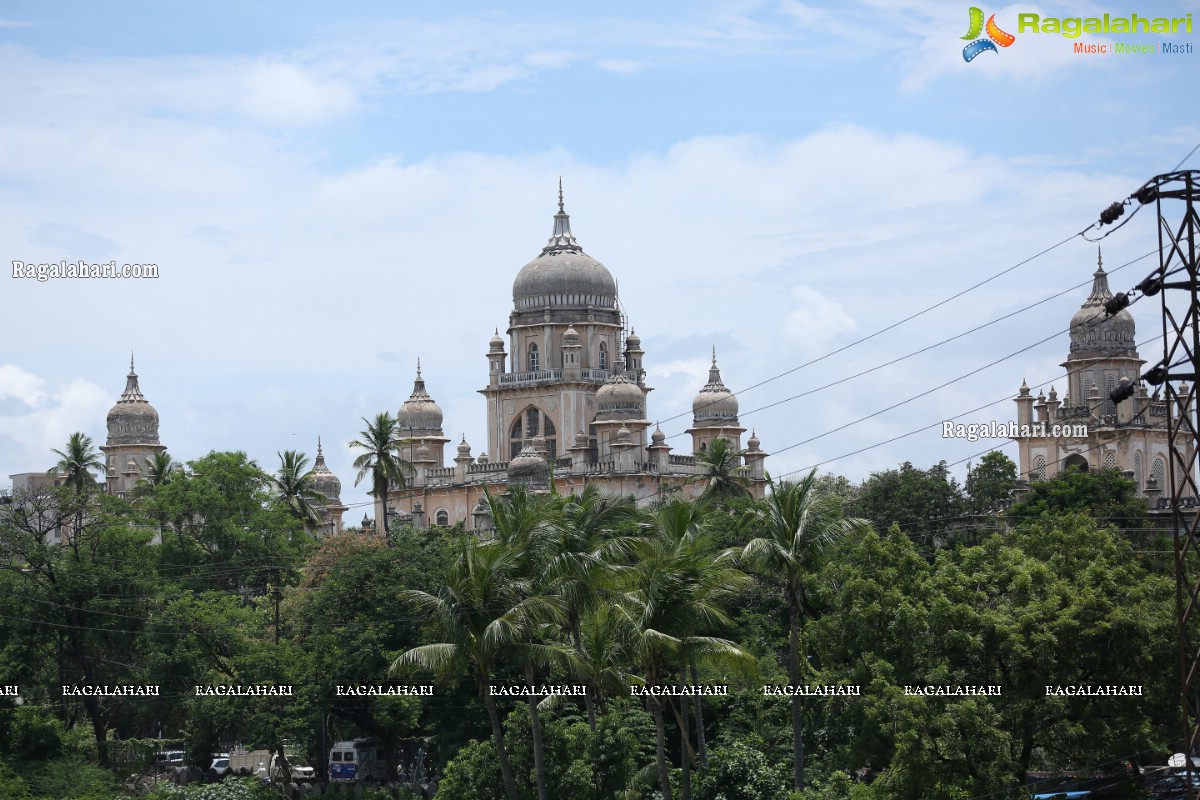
131, 361
319, 451
560, 196
418, 367
1099, 258
714, 361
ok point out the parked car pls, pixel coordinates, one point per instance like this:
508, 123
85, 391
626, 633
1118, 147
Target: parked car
169, 758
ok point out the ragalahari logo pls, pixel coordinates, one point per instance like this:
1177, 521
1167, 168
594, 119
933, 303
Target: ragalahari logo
995, 36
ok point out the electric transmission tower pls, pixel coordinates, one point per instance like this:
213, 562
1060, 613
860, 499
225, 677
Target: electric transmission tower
1176, 198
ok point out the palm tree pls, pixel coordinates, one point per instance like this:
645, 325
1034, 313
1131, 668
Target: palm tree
381, 442
585, 553
484, 614
294, 488
158, 468
527, 524
77, 462
722, 472
797, 524
673, 599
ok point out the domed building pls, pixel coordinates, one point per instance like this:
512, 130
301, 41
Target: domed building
566, 402
1083, 427
132, 438
326, 484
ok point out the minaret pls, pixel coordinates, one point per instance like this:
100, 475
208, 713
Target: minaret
420, 420
132, 437
715, 412
326, 484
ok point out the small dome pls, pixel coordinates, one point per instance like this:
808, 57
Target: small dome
563, 276
132, 420
715, 403
464, 449
633, 341
529, 468
324, 482
752, 443
658, 437
571, 336
483, 458
619, 398
496, 343
1093, 332
419, 412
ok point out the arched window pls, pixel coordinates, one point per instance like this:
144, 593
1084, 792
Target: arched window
603, 356
1159, 473
1109, 406
533, 358
1137, 469
1039, 468
529, 424
442, 518
1110, 460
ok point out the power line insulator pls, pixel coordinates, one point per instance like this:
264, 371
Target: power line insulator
1150, 286
1123, 391
1109, 215
1147, 194
1116, 303
1157, 375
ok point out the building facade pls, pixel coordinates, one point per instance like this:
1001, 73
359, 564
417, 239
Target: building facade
566, 402
1084, 427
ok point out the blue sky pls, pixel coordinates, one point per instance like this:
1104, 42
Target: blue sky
331, 193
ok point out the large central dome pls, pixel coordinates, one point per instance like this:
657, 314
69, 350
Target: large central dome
563, 276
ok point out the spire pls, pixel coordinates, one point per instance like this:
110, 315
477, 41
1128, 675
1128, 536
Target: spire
319, 464
419, 366
132, 393
1100, 290
561, 240
714, 374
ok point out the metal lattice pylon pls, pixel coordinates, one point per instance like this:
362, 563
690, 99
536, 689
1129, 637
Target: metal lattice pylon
1179, 271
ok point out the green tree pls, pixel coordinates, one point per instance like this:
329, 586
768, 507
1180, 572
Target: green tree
796, 526
1106, 496
482, 616
990, 484
381, 442
88, 596
158, 468
722, 472
77, 461
923, 503
293, 484
673, 598
588, 544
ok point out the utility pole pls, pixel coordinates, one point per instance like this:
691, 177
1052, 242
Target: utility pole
1179, 272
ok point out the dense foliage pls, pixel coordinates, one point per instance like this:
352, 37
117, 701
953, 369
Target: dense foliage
209, 575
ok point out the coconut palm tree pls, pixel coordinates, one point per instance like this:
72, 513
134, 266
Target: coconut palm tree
381, 459
158, 468
294, 488
586, 550
794, 528
77, 461
485, 614
673, 598
722, 471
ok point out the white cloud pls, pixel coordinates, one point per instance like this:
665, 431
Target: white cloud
49, 416
817, 319
285, 94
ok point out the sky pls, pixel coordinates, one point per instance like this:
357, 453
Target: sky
330, 194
